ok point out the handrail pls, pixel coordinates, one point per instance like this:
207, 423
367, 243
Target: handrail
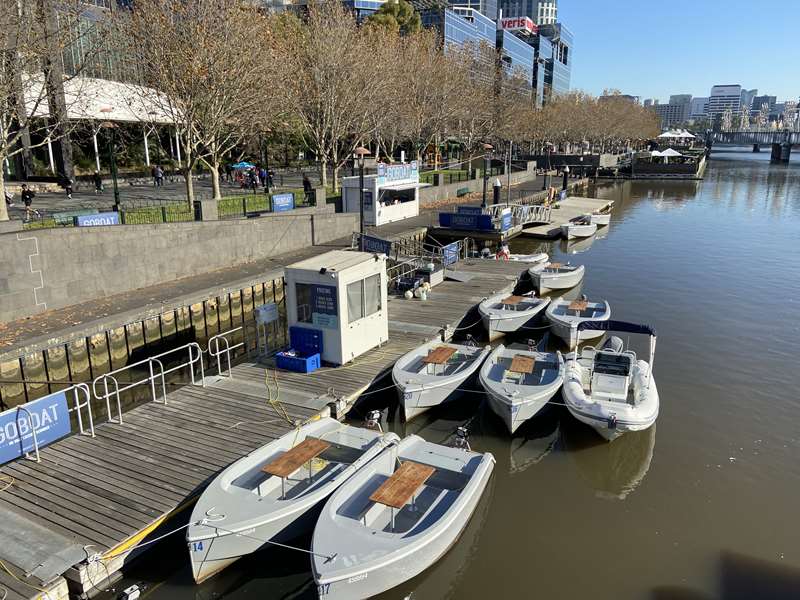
216, 352
33, 432
111, 377
87, 404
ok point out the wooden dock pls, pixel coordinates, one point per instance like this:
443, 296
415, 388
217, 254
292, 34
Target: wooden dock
97, 499
573, 206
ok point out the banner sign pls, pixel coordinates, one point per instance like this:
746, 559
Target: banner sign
464, 221
398, 172
324, 309
95, 220
470, 210
519, 24
48, 417
375, 244
266, 313
282, 202
450, 253
505, 219
562, 195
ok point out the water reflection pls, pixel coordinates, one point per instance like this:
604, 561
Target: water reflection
612, 469
578, 245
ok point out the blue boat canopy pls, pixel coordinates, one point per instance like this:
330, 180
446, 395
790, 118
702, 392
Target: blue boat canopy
617, 326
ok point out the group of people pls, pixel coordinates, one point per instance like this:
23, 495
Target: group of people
252, 178
157, 173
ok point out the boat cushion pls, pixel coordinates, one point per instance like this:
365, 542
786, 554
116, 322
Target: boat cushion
288, 462
402, 485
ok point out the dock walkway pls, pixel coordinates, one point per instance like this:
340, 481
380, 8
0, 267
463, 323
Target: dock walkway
96, 499
573, 206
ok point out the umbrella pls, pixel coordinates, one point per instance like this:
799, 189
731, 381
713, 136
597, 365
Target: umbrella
243, 165
670, 152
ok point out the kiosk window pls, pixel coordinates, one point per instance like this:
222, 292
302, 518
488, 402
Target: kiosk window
355, 300
302, 292
372, 294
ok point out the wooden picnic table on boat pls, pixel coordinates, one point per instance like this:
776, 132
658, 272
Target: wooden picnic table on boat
439, 355
578, 305
512, 300
522, 364
288, 462
396, 491
553, 265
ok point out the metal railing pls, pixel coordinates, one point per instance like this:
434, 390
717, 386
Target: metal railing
153, 376
214, 350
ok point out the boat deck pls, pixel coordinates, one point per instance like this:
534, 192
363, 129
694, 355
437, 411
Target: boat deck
99, 497
573, 206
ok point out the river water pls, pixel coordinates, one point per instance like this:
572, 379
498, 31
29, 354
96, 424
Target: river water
702, 506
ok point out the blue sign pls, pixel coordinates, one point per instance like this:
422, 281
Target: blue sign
324, 308
48, 417
463, 221
505, 220
450, 253
398, 172
470, 210
282, 202
106, 218
375, 244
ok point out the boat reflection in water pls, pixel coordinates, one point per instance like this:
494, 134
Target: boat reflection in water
612, 469
531, 443
577, 245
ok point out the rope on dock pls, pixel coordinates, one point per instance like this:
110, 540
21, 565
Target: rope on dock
8, 481
22, 581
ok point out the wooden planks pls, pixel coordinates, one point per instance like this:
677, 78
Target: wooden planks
554, 265
522, 364
439, 355
512, 300
288, 462
578, 305
402, 485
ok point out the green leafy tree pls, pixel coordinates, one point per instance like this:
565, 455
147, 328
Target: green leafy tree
398, 16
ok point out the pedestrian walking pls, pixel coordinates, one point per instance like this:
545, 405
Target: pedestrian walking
308, 189
66, 183
159, 175
27, 199
252, 180
153, 175
262, 174
98, 183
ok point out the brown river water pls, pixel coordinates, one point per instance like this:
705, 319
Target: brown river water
705, 504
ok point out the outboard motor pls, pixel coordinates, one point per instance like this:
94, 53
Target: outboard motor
531, 345
373, 420
471, 341
614, 343
462, 439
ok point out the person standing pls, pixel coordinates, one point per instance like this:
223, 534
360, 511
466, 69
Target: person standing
27, 199
98, 183
159, 173
66, 183
308, 189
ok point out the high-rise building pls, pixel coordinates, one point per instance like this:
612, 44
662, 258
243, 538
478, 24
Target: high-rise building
517, 53
543, 12
698, 108
759, 101
747, 100
723, 97
648, 102
558, 70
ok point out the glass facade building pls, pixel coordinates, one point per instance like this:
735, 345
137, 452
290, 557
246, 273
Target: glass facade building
558, 70
516, 56
460, 26
487, 8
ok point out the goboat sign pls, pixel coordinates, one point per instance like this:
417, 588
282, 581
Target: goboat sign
48, 417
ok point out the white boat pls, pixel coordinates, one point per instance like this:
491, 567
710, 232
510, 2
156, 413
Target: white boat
369, 539
564, 316
541, 257
434, 373
519, 383
600, 219
246, 507
503, 314
610, 389
555, 276
580, 227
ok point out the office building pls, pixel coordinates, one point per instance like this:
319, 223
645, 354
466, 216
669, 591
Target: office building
648, 102
488, 8
759, 101
722, 98
747, 100
558, 70
517, 53
542, 12
457, 26
698, 108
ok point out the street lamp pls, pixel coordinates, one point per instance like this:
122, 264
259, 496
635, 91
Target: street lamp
360, 153
112, 143
486, 149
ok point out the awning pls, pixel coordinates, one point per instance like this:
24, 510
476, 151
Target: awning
405, 186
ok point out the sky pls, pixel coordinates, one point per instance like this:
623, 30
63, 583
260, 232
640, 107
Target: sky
654, 49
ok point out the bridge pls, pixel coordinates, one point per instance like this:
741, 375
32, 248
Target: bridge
781, 142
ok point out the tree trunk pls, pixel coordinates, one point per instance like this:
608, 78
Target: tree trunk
214, 168
336, 179
3, 207
187, 177
323, 172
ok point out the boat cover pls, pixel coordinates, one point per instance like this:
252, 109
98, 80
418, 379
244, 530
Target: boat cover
617, 326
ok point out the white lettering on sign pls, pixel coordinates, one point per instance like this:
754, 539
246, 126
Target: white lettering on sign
519, 23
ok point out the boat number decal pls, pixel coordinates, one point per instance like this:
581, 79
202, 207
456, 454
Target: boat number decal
197, 546
406, 395
323, 589
357, 578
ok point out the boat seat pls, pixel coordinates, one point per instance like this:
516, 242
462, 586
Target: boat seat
610, 363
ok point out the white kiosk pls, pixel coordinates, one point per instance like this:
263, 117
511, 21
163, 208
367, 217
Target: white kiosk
391, 195
343, 295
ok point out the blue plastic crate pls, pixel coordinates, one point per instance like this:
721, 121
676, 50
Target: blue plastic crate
305, 341
298, 364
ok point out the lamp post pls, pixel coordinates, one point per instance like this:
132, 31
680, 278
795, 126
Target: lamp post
112, 146
360, 153
486, 149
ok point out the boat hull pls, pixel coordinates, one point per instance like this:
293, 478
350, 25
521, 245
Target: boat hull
600, 219
556, 281
578, 231
515, 414
374, 581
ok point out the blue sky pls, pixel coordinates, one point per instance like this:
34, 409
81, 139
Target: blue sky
654, 49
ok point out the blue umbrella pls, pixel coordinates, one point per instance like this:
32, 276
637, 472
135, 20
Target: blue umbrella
243, 165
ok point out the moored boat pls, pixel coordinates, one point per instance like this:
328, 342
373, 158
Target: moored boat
274, 494
520, 382
555, 276
579, 227
599, 219
503, 313
564, 316
609, 388
434, 373
396, 517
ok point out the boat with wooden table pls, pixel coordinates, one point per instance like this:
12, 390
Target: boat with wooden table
434, 373
520, 382
564, 316
396, 517
274, 494
503, 314
555, 276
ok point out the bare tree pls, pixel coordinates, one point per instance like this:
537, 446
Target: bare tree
34, 109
